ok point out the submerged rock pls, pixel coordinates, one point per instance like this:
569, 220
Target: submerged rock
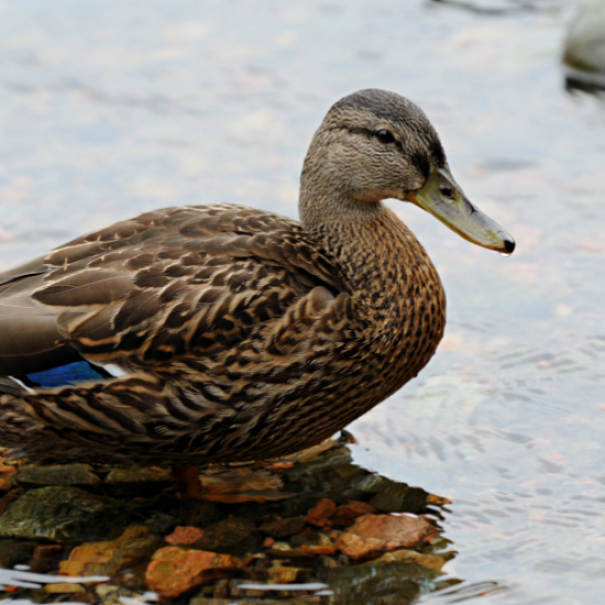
182, 536
320, 514
107, 558
63, 514
584, 54
432, 562
174, 570
13, 552
60, 474
374, 534
7, 471
347, 513
139, 481
233, 535
283, 528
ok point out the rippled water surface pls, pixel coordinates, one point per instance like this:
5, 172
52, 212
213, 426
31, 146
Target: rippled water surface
108, 109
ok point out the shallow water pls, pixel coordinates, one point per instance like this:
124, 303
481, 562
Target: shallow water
109, 109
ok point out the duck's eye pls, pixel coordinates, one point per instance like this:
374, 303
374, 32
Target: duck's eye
385, 136
447, 192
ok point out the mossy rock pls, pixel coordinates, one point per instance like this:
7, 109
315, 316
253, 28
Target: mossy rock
65, 515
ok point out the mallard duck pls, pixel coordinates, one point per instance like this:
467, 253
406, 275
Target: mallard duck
222, 333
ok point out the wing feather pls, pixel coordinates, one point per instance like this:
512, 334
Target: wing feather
146, 290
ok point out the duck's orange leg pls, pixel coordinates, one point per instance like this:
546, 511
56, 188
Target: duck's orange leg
188, 480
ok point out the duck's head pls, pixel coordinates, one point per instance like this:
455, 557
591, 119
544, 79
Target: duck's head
374, 145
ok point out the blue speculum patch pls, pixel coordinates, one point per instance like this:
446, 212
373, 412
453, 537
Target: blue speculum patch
67, 375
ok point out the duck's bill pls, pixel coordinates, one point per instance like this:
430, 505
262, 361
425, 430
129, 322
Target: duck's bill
442, 197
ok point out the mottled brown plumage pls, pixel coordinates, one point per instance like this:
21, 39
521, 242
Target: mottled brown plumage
244, 335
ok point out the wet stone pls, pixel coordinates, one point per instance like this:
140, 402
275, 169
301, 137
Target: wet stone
7, 472
283, 528
320, 513
140, 481
184, 535
13, 552
199, 513
397, 497
64, 588
323, 546
233, 535
46, 558
174, 571
374, 534
160, 523
347, 513
431, 562
63, 514
136, 544
382, 583
60, 474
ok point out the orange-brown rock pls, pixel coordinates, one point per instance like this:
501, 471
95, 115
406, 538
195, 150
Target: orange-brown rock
183, 536
324, 546
372, 535
432, 562
173, 570
107, 558
242, 485
6, 470
319, 515
347, 513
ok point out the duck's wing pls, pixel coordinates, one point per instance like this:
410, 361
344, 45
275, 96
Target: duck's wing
144, 291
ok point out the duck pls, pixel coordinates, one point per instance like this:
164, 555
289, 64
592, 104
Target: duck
220, 333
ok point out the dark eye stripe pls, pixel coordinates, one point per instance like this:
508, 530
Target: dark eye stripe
367, 132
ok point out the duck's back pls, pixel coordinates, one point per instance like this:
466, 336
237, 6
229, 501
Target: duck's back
153, 288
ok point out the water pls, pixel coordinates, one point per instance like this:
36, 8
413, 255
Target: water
107, 110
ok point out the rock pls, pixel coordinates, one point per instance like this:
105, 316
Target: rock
13, 552
398, 497
431, 562
174, 571
63, 514
282, 528
6, 470
199, 513
330, 475
140, 481
64, 588
60, 474
347, 513
278, 573
160, 523
218, 601
324, 546
232, 535
6, 473
45, 558
239, 485
107, 558
375, 534
184, 536
320, 513
584, 53
10, 497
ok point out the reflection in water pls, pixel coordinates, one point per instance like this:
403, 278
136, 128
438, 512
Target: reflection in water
305, 527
